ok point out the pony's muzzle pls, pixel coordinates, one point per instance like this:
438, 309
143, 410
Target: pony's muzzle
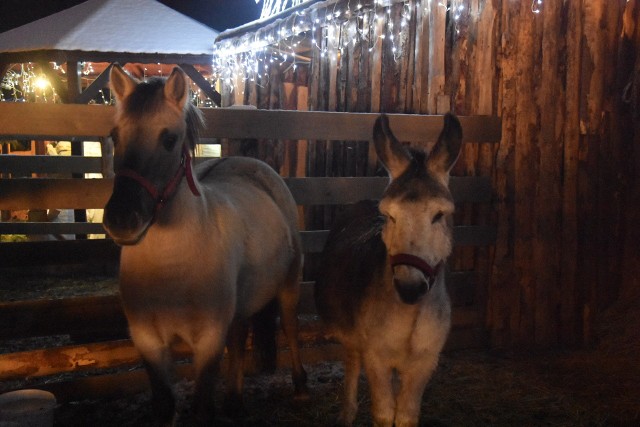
125, 226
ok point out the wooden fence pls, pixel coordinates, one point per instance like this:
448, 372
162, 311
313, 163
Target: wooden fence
96, 323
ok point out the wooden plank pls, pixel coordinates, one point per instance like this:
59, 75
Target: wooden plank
42, 193
25, 165
460, 284
122, 354
54, 121
136, 381
463, 235
64, 193
64, 121
51, 228
79, 316
77, 251
29, 254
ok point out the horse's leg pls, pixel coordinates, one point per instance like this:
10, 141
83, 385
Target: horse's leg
381, 386
158, 364
413, 380
236, 344
352, 366
207, 353
288, 299
264, 327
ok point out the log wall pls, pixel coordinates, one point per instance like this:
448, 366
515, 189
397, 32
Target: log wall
564, 83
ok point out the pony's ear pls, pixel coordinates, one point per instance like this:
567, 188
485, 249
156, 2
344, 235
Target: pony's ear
122, 84
176, 89
447, 150
394, 156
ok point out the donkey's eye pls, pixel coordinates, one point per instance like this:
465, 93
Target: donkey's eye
388, 217
437, 217
114, 136
168, 139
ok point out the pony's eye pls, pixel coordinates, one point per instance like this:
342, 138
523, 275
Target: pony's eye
437, 217
168, 139
114, 136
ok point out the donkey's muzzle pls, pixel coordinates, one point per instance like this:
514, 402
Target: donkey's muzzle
411, 292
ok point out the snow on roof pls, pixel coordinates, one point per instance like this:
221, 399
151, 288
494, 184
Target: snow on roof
131, 26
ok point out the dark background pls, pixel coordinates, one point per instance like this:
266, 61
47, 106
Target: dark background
217, 14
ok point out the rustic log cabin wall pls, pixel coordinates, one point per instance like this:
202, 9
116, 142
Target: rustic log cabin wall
559, 73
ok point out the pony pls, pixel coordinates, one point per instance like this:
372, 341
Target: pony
381, 292
203, 248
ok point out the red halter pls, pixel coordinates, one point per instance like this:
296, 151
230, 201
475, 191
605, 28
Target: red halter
161, 198
417, 262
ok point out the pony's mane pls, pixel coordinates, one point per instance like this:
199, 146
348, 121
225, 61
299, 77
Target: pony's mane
148, 97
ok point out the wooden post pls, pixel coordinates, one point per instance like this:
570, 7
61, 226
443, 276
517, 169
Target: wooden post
548, 199
570, 311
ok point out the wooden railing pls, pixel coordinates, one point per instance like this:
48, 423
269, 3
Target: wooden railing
102, 316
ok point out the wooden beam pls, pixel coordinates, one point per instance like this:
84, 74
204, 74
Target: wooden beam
68, 252
202, 83
60, 121
64, 193
98, 84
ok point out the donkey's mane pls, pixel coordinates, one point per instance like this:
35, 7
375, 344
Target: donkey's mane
357, 252
148, 97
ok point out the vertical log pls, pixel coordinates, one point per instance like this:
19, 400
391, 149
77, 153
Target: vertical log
364, 66
526, 162
421, 59
548, 198
502, 307
376, 60
437, 31
570, 310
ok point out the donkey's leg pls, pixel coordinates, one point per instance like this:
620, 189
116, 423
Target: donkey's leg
207, 353
352, 367
159, 366
413, 380
236, 344
288, 298
379, 375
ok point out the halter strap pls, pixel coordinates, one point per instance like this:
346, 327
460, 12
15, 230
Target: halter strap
417, 262
161, 198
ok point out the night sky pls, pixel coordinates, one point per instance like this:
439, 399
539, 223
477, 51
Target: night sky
217, 14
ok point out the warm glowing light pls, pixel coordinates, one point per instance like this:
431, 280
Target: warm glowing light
41, 83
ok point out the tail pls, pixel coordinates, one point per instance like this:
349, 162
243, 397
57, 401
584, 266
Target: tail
264, 328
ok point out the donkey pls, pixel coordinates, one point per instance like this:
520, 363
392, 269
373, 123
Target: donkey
381, 292
203, 249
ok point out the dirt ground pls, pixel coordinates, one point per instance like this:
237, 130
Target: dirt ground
594, 387
470, 388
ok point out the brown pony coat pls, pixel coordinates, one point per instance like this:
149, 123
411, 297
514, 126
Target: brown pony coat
196, 267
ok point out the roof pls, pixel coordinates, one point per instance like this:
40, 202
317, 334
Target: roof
111, 30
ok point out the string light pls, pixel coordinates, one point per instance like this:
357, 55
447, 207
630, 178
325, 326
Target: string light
27, 85
273, 7
331, 30
535, 6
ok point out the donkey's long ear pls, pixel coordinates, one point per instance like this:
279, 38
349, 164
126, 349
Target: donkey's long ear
446, 151
394, 156
122, 84
176, 89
